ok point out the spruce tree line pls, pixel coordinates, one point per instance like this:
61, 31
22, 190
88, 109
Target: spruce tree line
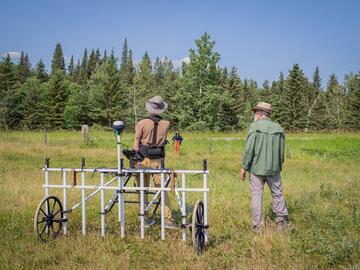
201, 95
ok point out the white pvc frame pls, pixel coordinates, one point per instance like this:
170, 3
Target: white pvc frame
102, 187
121, 188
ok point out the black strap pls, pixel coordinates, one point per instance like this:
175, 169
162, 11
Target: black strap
156, 120
156, 125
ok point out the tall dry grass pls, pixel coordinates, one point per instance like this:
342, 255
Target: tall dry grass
321, 181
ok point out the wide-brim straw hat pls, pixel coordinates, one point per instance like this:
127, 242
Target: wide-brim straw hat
262, 106
156, 105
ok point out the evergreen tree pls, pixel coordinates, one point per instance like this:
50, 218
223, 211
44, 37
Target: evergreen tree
124, 59
108, 101
224, 74
159, 70
112, 58
335, 104
126, 83
10, 116
82, 77
201, 96
40, 71
105, 58
84, 61
78, 108
312, 98
295, 103
24, 67
32, 106
58, 62
144, 86
232, 109
130, 69
265, 92
131, 115
250, 96
71, 67
92, 64
77, 72
316, 117
317, 80
166, 85
278, 90
352, 84
84, 104
57, 94
98, 57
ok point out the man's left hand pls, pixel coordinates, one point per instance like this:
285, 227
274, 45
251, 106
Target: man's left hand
243, 174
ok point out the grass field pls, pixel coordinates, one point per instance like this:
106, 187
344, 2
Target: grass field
321, 180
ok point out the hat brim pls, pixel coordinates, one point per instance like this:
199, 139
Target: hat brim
261, 109
152, 110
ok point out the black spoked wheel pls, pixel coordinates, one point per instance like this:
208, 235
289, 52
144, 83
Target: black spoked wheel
48, 218
198, 227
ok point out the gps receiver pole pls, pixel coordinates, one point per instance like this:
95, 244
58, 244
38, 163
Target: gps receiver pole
119, 127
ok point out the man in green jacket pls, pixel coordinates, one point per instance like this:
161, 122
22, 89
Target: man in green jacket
263, 159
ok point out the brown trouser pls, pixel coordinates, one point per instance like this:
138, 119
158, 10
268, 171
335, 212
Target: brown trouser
153, 164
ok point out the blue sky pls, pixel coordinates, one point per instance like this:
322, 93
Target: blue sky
260, 38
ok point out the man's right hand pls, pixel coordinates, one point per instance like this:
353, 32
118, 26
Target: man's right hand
243, 174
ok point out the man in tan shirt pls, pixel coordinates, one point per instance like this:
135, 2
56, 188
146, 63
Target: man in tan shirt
150, 138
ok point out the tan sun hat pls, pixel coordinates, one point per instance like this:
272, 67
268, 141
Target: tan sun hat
156, 105
262, 106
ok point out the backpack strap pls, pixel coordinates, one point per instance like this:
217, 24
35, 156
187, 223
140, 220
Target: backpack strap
156, 119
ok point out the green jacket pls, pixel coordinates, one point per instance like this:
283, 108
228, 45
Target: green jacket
264, 149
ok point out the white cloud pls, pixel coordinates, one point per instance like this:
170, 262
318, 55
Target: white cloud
67, 60
178, 62
186, 59
13, 54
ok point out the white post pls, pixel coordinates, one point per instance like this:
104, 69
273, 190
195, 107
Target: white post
102, 198
46, 189
119, 202
46, 179
205, 207
65, 201
142, 212
83, 201
121, 189
162, 207
183, 214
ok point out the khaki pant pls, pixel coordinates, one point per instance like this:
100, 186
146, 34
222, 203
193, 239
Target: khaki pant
257, 183
153, 164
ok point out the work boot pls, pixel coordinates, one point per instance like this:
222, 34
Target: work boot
257, 229
169, 224
282, 225
149, 222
